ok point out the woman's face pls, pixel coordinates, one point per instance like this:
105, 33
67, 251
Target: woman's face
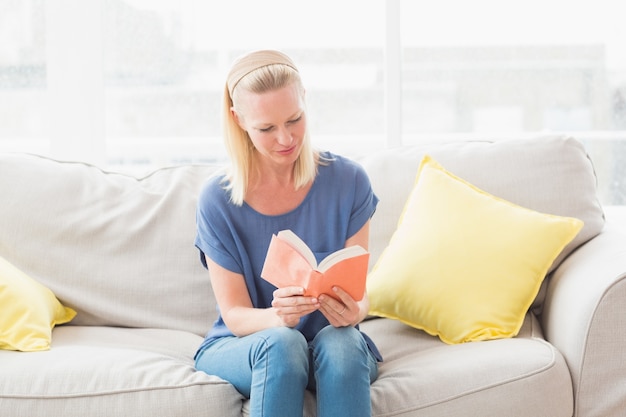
275, 121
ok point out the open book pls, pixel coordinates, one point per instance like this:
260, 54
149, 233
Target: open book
290, 262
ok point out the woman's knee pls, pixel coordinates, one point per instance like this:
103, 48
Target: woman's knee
341, 339
341, 345
283, 344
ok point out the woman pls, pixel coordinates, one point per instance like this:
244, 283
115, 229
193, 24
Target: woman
273, 344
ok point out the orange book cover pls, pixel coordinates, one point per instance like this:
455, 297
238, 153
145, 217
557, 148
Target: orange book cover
290, 262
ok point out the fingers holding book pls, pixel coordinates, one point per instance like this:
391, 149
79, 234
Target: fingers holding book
290, 304
341, 310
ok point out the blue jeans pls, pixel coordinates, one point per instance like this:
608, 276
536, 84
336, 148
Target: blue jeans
274, 367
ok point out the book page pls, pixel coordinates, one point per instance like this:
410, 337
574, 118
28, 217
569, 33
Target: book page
284, 266
340, 255
299, 245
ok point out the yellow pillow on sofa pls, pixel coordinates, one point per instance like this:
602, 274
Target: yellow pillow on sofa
28, 311
464, 265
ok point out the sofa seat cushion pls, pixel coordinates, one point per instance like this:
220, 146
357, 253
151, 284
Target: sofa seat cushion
422, 376
100, 371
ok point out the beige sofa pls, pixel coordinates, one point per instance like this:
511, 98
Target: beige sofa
119, 251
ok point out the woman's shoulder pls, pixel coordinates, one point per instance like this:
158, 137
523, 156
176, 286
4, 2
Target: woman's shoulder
333, 165
214, 189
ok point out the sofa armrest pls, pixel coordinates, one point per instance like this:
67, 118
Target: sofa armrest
584, 317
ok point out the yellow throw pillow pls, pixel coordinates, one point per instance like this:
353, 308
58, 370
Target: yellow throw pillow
28, 311
464, 265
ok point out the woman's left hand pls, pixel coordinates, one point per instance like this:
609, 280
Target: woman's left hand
342, 310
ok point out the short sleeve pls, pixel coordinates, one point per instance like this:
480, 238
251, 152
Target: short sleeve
365, 201
214, 237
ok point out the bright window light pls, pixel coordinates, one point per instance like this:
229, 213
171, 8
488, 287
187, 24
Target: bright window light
136, 84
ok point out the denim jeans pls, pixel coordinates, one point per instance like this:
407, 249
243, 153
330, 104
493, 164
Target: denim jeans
274, 367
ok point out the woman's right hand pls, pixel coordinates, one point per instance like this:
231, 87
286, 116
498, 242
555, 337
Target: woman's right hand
290, 305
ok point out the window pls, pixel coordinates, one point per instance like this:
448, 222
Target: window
23, 110
166, 63
135, 84
491, 69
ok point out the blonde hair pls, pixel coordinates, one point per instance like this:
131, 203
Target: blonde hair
259, 72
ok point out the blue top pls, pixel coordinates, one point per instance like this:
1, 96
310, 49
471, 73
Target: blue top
336, 207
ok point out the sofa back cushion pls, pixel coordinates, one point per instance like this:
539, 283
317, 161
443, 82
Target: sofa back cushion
118, 250
549, 174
